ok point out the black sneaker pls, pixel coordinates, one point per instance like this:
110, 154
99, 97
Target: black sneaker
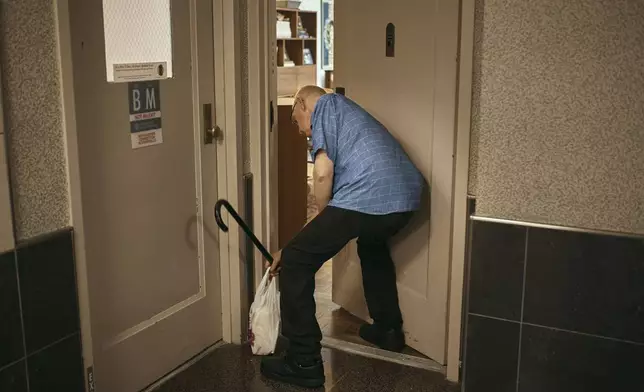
288, 370
387, 339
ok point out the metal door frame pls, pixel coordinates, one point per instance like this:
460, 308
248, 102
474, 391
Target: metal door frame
7, 226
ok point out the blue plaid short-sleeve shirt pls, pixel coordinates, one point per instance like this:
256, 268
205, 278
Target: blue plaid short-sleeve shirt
372, 173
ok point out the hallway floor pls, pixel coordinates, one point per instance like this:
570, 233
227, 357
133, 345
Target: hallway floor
334, 321
233, 368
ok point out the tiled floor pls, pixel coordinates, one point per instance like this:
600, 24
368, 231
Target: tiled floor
234, 369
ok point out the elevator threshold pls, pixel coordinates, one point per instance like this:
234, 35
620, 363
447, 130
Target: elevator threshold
383, 355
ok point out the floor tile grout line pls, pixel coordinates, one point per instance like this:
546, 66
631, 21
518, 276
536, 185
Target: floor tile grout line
525, 269
22, 318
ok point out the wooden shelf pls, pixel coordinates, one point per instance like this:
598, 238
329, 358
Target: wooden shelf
309, 22
298, 66
290, 78
297, 39
292, 167
296, 10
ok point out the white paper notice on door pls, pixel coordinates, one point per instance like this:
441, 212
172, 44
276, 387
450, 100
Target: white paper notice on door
145, 114
137, 72
146, 139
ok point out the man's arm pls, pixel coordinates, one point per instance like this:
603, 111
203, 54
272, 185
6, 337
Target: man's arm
322, 189
322, 179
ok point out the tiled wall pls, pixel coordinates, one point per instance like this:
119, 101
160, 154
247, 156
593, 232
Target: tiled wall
40, 346
556, 139
553, 311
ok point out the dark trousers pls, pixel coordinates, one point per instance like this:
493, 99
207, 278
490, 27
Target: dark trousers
318, 242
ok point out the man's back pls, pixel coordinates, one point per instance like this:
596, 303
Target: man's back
372, 173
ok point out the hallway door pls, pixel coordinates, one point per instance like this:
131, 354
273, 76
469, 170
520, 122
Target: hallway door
149, 238
413, 94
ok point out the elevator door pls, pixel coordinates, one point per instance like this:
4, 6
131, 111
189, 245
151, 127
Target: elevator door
399, 88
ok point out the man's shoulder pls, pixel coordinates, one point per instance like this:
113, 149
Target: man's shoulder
322, 106
328, 97
331, 106
337, 99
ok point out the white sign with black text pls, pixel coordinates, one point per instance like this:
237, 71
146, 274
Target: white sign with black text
140, 72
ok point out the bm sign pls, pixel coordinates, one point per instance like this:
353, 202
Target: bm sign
145, 106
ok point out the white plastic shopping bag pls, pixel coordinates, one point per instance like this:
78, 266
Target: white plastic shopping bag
265, 317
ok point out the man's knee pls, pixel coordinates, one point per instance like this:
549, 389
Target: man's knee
286, 258
294, 273
295, 256
295, 260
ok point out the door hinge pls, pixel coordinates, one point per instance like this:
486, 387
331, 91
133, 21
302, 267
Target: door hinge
272, 116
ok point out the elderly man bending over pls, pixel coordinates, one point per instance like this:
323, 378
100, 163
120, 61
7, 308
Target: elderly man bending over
367, 188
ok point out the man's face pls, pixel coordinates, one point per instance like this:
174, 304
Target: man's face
301, 117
